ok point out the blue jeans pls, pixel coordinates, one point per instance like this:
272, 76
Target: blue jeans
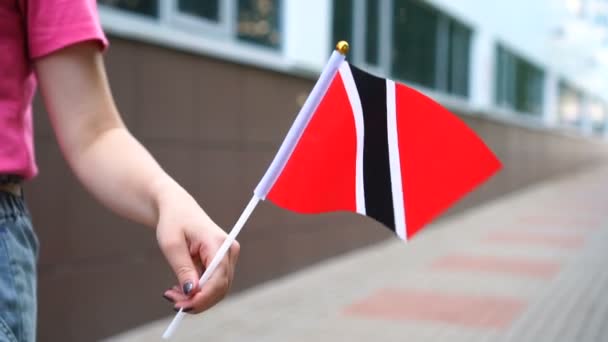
18, 257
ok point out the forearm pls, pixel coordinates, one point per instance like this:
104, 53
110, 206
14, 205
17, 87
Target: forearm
121, 174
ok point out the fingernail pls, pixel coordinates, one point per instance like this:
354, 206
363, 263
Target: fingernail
188, 288
168, 298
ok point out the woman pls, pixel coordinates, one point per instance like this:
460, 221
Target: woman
57, 45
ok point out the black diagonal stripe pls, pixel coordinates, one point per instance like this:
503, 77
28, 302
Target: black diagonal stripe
376, 165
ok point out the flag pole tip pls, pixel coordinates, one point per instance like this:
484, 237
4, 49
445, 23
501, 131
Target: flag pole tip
342, 47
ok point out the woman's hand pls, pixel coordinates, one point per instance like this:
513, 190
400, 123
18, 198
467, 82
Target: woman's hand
189, 240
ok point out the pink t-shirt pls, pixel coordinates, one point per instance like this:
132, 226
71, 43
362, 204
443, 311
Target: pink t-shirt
30, 29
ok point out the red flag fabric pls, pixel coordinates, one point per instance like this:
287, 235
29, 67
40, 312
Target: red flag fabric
384, 150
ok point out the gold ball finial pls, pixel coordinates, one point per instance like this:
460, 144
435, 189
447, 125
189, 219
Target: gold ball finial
342, 47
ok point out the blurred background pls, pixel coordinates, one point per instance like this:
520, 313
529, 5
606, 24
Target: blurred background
211, 88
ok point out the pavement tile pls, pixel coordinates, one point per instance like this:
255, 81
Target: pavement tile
581, 223
572, 241
465, 310
500, 265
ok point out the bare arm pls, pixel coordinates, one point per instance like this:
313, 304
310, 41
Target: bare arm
119, 172
93, 138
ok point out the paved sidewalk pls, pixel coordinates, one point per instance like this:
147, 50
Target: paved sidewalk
532, 266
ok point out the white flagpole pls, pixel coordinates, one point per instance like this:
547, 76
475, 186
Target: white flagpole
260, 192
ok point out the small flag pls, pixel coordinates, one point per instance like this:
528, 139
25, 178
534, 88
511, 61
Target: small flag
380, 149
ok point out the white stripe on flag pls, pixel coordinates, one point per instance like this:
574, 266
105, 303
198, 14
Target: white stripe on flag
394, 160
355, 103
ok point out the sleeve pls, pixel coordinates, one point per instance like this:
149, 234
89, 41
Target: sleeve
55, 24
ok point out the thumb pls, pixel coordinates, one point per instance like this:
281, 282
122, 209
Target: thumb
178, 256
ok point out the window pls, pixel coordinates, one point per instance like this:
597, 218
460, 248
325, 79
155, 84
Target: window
458, 59
598, 112
408, 39
578, 109
209, 10
519, 84
415, 42
570, 104
530, 81
431, 48
252, 21
505, 71
258, 22
343, 22
372, 30
143, 7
